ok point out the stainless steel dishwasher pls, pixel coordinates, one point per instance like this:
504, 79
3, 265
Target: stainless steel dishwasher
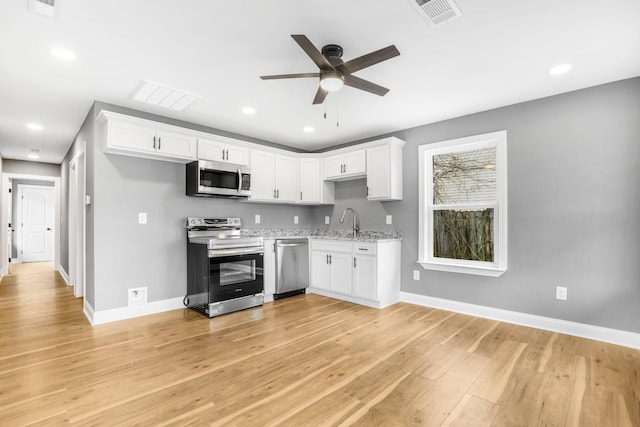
292, 267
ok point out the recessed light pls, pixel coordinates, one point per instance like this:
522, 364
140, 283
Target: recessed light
248, 110
63, 54
308, 129
560, 69
34, 126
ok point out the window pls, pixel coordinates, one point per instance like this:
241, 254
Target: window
463, 205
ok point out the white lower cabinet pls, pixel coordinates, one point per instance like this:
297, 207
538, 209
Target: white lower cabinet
366, 273
330, 264
269, 269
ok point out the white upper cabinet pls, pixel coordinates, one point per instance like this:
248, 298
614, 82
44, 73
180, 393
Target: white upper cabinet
144, 138
313, 189
220, 149
344, 166
384, 170
274, 177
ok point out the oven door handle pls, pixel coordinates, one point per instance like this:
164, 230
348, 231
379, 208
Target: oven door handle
239, 180
216, 253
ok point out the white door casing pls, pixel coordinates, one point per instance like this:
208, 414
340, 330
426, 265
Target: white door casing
36, 222
77, 224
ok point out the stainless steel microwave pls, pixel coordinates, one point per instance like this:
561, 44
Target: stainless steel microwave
218, 179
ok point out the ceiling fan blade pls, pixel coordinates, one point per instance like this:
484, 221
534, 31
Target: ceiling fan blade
368, 60
365, 85
321, 94
313, 52
290, 76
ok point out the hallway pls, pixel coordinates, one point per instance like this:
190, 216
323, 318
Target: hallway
35, 296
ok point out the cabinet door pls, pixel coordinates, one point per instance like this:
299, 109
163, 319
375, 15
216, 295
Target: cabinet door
320, 270
355, 162
263, 175
378, 178
333, 166
310, 180
210, 150
176, 145
131, 137
341, 272
364, 277
237, 155
286, 179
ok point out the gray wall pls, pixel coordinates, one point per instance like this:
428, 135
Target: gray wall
30, 168
573, 177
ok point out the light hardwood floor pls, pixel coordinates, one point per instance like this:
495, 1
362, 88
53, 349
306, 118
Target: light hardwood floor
303, 361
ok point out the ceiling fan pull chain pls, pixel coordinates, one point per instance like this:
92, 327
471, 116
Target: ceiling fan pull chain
324, 103
338, 111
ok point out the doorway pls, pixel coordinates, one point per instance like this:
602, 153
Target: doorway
11, 220
34, 223
77, 218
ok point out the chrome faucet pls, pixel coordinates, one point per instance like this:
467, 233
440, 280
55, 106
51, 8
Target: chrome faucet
356, 226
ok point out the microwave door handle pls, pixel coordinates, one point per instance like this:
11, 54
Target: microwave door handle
239, 180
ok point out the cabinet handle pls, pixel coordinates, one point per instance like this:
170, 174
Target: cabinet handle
278, 193
363, 249
159, 142
327, 258
354, 262
301, 195
274, 193
154, 142
345, 168
330, 259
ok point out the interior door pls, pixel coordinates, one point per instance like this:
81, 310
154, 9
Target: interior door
36, 223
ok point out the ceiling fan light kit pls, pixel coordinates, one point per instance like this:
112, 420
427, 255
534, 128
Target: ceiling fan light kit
333, 72
331, 82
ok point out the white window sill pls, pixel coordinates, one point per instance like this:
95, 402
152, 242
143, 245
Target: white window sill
464, 269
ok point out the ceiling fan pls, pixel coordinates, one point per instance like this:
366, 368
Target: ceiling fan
334, 73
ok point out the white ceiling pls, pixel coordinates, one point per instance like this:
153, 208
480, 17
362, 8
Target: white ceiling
498, 53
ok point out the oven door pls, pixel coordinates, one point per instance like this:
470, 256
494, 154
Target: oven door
235, 276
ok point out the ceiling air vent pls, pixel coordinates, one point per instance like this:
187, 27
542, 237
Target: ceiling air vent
48, 8
164, 96
435, 12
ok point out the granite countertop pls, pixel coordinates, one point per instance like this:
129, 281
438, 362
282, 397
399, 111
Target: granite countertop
314, 233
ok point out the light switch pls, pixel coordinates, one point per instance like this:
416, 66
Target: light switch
257, 221
142, 218
327, 220
295, 219
388, 219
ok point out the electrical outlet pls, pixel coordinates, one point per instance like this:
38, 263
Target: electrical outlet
389, 220
137, 296
561, 293
142, 218
416, 274
327, 220
257, 219
295, 219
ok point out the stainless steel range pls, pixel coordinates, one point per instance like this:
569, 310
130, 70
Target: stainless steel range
224, 269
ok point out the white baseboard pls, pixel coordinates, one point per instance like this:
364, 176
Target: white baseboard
598, 333
64, 275
123, 313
